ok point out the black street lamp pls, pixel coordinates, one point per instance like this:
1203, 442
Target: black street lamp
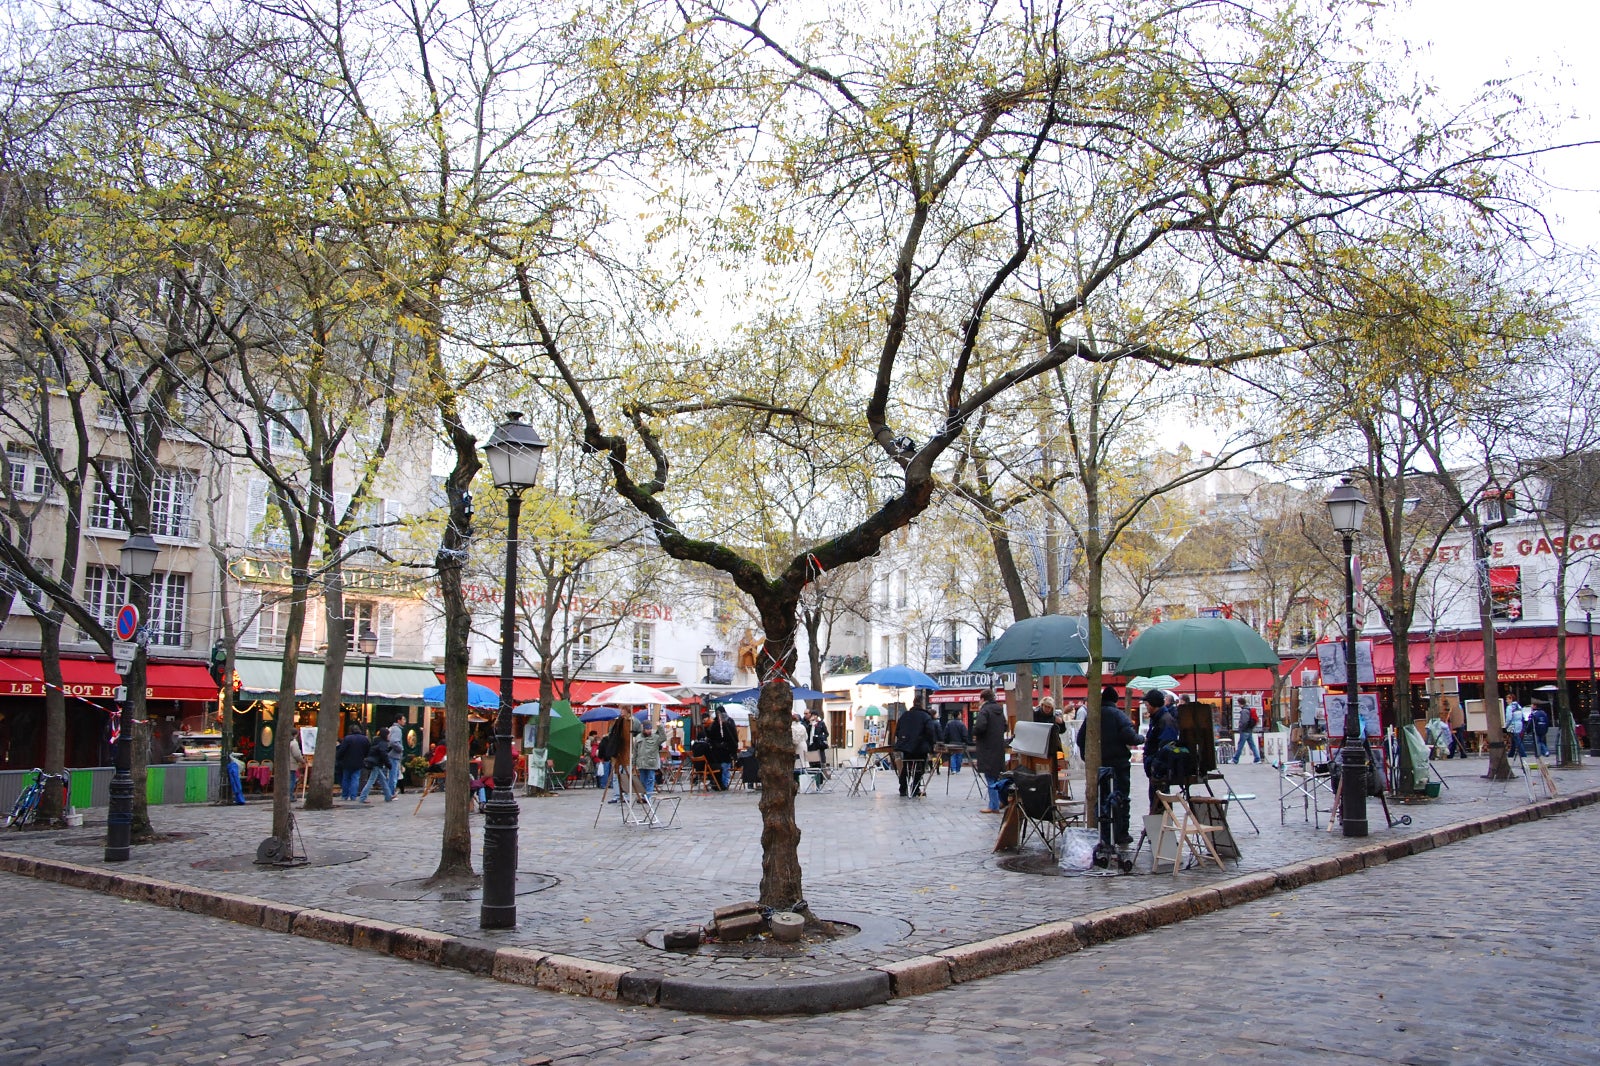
513, 452
368, 643
1587, 602
708, 658
138, 563
1346, 508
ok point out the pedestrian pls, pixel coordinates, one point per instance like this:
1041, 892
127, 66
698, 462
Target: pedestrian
914, 738
1117, 737
722, 736
349, 758
798, 737
377, 763
1539, 718
1458, 728
647, 756
816, 746
397, 755
604, 752
1160, 747
955, 738
297, 764
989, 741
1516, 719
1247, 722
1440, 740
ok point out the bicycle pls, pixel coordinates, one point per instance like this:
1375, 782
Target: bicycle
26, 809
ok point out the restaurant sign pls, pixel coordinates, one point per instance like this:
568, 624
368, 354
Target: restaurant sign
356, 579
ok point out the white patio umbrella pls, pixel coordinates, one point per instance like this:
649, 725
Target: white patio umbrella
630, 694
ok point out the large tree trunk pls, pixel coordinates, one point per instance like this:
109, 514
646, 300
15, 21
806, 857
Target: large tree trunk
330, 704
283, 717
781, 881
455, 846
1499, 765
1402, 706
55, 713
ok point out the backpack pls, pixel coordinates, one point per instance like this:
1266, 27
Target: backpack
1253, 720
1166, 758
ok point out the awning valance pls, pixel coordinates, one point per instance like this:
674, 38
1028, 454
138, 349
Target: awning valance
23, 675
390, 683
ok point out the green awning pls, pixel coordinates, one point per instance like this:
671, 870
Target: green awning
391, 683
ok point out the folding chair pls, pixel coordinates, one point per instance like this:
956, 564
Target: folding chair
1299, 782
1193, 835
1035, 797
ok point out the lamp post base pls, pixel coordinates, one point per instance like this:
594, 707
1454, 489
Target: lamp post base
1592, 727
119, 818
498, 909
1353, 792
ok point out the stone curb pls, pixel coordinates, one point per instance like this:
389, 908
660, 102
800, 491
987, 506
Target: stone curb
811, 995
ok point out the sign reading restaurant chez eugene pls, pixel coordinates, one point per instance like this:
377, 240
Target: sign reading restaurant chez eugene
356, 579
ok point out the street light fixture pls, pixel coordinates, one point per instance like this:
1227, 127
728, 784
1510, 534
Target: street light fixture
368, 643
138, 563
513, 452
1588, 602
1346, 508
708, 657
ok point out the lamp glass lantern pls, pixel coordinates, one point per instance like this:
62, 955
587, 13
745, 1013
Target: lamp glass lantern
1346, 507
367, 642
514, 453
708, 656
1588, 600
139, 554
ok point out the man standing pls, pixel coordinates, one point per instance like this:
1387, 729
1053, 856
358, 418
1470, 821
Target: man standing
955, 738
1539, 718
349, 758
397, 754
816, 746
647, 756
723, 737
1516, 718
914, 738
1247, 731
1117, 737
989, 735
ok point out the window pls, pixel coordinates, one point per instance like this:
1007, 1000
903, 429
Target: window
379, 617
945, 648
265, 621
172, 504
1497, 506
899, 588
285, 422
369, 525
644, 636
264, 524
104, 590
171, 501
169, 597
110, 495
582, 646
883, 652
30, 475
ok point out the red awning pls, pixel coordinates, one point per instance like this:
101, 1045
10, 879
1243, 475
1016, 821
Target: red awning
1505, 578
1461, 656
96, 679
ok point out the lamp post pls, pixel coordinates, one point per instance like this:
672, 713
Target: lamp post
1588, 600
1346, 508
368, 643
708, 657
138, 563
513, 452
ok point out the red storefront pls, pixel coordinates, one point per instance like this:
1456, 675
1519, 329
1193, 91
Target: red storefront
180, 696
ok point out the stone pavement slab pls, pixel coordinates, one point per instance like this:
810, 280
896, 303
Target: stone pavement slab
920, 873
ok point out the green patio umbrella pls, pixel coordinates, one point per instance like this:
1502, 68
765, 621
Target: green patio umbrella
980, 664
1050, 638
1199, 646
566, 734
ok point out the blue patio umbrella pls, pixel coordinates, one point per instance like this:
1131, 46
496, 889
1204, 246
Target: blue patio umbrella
644, 716
755, 694
531, 708
600, 714
477, 695
899, 677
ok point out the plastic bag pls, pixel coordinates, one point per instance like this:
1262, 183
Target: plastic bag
1077, 850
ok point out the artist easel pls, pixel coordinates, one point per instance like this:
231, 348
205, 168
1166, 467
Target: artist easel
1383, 791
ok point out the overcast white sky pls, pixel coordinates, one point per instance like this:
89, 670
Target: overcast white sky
1549, 45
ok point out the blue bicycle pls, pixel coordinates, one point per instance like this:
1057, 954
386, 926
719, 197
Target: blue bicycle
26, 809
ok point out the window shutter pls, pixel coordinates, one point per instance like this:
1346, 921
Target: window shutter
250, 617
386, 629
255, 520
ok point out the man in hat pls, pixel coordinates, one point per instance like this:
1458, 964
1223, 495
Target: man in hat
1539, 718
1117, 737
1163, 731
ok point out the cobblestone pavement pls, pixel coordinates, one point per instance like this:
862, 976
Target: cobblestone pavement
925, 863
1480, 952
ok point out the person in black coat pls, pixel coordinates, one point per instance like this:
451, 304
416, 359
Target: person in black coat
914, 738
723, 738
955, 738
989, 736
349, 758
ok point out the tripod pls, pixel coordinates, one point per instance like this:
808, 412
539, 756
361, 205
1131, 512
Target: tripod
1383, 796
